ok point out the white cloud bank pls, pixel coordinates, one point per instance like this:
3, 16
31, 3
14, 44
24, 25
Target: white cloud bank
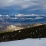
25, 17
24, 3
30, 17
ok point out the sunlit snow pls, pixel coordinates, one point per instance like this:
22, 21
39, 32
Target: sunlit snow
25, 42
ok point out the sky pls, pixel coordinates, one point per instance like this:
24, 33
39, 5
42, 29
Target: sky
12, 7
35, 10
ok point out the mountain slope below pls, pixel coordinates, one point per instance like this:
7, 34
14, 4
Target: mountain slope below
32, 32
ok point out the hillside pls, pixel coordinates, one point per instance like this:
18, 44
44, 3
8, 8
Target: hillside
31, 32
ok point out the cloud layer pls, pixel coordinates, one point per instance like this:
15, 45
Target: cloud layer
24, 4
13, 7
24, 16
30, 16
22, 19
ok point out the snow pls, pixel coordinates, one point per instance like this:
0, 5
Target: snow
25, 42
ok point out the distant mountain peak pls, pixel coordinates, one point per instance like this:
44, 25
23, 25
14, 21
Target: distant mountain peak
38, 24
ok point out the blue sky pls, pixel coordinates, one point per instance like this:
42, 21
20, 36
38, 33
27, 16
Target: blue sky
24, 7
12, 7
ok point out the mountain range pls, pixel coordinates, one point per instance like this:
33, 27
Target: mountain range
10, 28
21, 20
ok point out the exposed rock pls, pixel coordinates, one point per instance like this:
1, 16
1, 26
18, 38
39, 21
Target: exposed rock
37, 24
13, 28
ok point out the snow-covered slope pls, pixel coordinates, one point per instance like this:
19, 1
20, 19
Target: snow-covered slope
25, 42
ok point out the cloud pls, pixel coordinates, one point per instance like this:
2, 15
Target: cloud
24, 4
23, 17
39, 18
0, 15
30, 16
14, 18
36, 18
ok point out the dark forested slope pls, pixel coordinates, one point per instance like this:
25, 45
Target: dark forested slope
32, 32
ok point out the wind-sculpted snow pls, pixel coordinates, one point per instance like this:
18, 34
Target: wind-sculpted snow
25, 42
